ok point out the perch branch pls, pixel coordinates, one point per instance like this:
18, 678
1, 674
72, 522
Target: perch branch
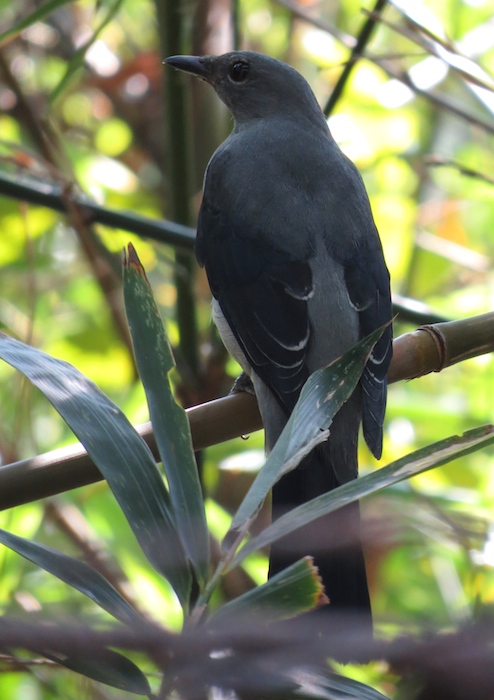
430, 348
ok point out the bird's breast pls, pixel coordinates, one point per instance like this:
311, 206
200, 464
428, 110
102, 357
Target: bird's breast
228, 337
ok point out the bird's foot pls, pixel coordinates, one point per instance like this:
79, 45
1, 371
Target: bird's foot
243, 384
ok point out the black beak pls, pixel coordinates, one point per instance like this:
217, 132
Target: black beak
190, 64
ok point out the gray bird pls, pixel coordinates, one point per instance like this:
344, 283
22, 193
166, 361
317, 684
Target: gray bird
297, 273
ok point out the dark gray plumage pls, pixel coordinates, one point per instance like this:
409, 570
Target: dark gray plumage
296, 269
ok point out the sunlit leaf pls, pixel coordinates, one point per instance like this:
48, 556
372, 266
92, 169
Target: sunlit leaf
36, 16
170, 424
420, 461
77, 60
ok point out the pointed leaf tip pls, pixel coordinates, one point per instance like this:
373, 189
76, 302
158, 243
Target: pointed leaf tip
131, 260
132, 253
171, 428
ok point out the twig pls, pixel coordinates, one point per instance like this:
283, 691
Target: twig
455, 665
162, 231
31, 121
437, 100
357, 51
431, 44
70, 521
50, 196
440, 101
410, 310
440, 162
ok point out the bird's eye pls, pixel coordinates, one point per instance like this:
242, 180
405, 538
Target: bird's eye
239, 71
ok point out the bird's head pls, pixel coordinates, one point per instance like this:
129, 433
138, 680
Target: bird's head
253, 85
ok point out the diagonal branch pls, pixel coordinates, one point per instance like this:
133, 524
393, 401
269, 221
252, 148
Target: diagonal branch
163, 231
438, 100
428, 349
52, 196
357, 51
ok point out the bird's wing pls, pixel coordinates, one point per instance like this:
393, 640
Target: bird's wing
367, 281
263, 293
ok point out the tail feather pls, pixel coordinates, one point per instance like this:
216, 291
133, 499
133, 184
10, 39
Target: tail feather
333, 541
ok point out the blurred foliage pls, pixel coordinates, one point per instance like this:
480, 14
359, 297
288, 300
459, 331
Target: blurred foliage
81, 98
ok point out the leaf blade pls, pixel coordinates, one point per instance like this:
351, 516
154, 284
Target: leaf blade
170, 424
35, 16
321, 397
420, 461
77, 60
108, 667
315, 685
118, 451
295, 590
75, 573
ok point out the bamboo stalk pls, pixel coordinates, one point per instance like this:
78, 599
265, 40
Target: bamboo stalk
428, 349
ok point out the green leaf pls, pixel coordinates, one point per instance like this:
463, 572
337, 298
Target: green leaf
77, 60
322, 396
118, 451
106, 666
77, 574
35, 16
313, 685
170, 424
295, 590
420, 461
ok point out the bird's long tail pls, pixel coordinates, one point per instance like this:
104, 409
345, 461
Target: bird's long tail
333, 541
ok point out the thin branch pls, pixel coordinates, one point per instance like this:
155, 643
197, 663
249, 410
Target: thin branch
73, 525
162, 231
52, 196
435, 46
440, 162
357, 51
418, 313
263, 658
439, 101
32, 122
428, 349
